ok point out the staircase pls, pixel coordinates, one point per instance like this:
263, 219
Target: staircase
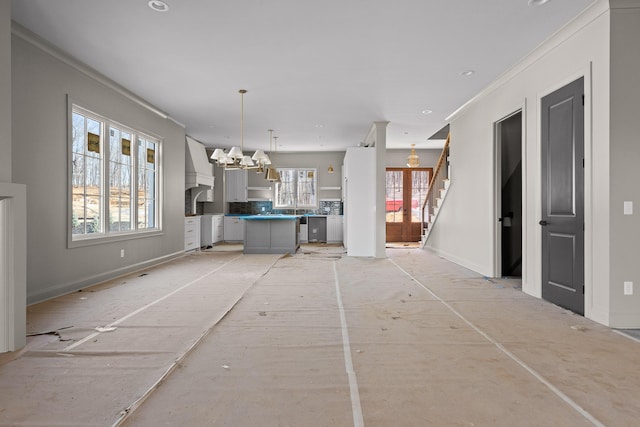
438, 188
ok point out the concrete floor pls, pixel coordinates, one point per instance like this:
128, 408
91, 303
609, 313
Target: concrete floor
315, 339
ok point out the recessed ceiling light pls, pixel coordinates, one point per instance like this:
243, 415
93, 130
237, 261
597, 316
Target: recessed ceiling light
158, 5
319, 126
467, 73
426, 111
537, 2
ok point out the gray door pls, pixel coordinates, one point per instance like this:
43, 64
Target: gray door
562, 221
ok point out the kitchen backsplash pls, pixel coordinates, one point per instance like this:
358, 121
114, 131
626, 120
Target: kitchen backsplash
327, 207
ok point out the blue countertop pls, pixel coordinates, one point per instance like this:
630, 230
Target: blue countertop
269, 217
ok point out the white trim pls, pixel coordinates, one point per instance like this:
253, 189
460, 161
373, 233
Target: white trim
553, 42
460, 261
80, 240
497, 186
67, 288
28, 36
585, 73
621, 333
6, 276
13, 266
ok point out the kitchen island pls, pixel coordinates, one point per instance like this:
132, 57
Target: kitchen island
271, 234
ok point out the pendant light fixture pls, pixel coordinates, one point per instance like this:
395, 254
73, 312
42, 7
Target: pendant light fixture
272, 173
413, 161
261, 158
235, 158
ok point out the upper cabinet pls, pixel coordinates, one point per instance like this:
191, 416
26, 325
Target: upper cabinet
236, 185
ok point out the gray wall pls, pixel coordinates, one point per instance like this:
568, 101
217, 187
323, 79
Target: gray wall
5, 91
41, 83
624, 164
319, 160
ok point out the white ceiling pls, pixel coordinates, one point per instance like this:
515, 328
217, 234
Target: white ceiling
318, 72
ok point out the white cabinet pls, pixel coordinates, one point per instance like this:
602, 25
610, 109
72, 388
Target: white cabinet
211, 227
236, 185
191, 233
218, 228
334, 228
233, 229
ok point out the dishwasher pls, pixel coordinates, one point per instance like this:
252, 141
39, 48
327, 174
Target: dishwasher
317, 229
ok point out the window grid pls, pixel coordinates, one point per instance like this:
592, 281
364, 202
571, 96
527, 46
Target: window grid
297, 189
147, 178
104, 172
120, 180
86, 175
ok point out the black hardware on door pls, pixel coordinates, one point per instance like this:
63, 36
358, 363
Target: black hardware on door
509, 215
543, 223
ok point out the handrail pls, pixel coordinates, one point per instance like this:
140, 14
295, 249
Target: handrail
434, 178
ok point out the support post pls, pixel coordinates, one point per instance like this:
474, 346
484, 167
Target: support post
380, 134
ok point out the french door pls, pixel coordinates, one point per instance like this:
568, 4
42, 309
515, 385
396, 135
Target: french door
406, 189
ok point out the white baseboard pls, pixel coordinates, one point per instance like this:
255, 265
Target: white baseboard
67, 288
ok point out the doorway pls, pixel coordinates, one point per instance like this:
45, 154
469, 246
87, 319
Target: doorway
508, 134
562, 198
406, 189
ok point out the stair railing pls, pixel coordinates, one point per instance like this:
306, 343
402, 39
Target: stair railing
440, 173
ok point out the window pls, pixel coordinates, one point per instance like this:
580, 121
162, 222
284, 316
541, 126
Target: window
406, 189
108, 163
297, 189
146, 183
120, 168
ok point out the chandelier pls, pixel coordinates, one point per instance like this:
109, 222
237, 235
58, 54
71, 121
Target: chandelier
413, 161
235, 158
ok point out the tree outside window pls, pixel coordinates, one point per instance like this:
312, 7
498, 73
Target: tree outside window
297, 189
109, 161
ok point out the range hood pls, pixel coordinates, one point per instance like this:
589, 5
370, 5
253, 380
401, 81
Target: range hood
198, 170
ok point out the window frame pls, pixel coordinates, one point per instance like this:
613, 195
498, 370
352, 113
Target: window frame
106, 235
296, 190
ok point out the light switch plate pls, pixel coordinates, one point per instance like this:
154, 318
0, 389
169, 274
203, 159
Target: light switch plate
628, 288
628, 208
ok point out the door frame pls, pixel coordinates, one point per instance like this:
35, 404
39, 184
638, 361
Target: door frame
571, 297
497, 191
533, 284
404, 188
